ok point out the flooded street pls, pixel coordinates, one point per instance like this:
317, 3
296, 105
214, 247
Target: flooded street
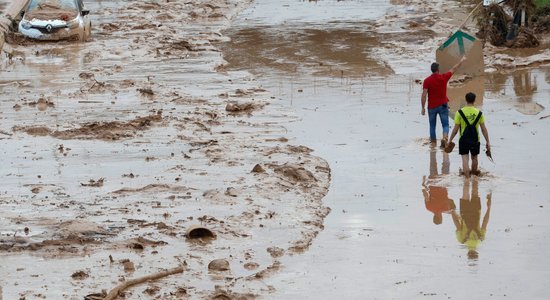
380, 241
292, 131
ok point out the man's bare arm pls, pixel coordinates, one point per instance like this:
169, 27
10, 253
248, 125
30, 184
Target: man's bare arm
423, 100
455, 67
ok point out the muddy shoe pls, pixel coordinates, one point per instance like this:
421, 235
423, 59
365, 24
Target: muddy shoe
443, 143
449, 148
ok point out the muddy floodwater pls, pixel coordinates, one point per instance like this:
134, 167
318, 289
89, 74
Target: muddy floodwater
292, 131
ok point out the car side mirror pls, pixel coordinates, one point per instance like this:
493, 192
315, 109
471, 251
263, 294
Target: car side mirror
85, 12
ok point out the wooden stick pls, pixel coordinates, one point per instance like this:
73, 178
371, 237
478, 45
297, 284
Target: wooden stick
113, 294
470, 15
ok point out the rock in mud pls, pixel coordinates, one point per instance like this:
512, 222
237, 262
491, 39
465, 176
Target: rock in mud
258, 169
232, 192
295, 173
218, 265
235, 107
80, 275
128, 266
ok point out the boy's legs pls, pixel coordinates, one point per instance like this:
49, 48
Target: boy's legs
474, 165
465, 166
475, 152
465, 194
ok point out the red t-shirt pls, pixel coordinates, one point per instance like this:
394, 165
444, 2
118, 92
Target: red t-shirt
438, 202
436, 84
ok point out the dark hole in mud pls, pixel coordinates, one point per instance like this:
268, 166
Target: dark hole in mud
198, 232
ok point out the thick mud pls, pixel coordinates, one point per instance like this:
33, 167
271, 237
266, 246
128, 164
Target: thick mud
113, 149
121, 155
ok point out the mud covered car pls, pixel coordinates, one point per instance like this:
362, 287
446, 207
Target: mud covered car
55, 20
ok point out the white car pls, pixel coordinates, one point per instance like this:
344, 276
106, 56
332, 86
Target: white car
54, 20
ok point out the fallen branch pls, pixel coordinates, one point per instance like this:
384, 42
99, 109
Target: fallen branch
121, 287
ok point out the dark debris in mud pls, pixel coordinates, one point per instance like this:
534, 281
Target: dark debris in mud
107, 131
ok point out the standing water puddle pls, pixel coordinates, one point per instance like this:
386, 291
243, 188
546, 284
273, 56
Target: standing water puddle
380, 241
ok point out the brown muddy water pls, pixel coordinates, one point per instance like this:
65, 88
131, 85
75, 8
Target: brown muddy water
380, 241
117, 146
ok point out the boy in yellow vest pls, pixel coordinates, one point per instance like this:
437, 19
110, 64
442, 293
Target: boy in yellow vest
468, 119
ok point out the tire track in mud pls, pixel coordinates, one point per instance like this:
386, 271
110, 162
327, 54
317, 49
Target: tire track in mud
137, 139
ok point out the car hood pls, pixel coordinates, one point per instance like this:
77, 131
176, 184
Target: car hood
43, 23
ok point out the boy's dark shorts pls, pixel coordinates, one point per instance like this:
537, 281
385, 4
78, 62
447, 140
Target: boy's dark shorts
466, 148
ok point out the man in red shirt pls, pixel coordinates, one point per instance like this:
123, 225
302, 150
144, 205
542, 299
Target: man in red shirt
435, 89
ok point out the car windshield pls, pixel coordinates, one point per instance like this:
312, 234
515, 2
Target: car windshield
52, 4
52, 9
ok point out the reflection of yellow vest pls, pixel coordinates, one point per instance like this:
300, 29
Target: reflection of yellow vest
472, 239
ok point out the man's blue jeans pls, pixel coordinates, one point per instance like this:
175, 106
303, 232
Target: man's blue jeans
443, 111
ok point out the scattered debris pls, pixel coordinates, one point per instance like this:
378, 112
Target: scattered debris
80, 275
251, 266
96, 296
113, 294
128, 266
295, 173
94, 183
219, 265
108, 131
248, 107
146, 91
276, 251
231, 192
258, 169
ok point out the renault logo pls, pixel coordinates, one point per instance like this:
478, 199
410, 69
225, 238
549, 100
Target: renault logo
49, 27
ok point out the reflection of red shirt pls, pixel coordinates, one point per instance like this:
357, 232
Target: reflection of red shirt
438, 200
436, 84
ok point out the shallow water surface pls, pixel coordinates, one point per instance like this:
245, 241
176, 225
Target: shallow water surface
380, 241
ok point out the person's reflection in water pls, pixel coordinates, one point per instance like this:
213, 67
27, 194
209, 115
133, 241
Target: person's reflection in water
524, 85
436, 198
469, 231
